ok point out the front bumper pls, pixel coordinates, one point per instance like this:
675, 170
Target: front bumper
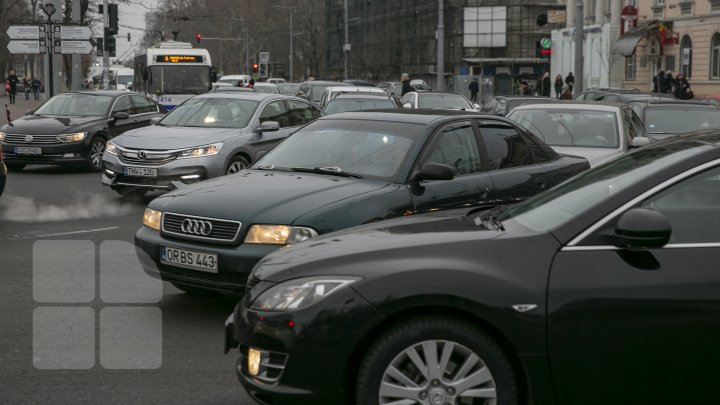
321, 338
234, 262
170, 176
55, 154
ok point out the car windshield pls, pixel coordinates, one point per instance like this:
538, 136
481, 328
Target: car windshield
179, 79
343, 105
582, 193
232, 82
316, 91
370, 149
570, 127
216, 112
444, 101
678, 120
76, 104
289, 89
266, 88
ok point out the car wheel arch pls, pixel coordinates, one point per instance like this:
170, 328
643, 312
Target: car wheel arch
438, 308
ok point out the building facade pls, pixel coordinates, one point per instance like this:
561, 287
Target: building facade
494, 39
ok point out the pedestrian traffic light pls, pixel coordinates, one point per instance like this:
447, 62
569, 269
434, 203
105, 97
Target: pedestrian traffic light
198, 37
255, 67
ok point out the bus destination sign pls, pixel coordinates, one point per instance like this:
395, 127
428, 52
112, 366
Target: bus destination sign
179, 59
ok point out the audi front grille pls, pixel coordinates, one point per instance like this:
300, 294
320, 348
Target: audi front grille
200, 228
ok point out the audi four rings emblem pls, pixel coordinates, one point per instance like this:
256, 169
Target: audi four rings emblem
196, 227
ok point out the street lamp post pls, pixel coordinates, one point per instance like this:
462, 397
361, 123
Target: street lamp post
346, 46
49, 10
440, 48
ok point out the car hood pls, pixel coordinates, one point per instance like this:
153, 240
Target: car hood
595, 156
162, 137
49, 125
394, 239
255, 196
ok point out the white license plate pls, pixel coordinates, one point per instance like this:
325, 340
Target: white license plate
28, 150
139, 172
207, 262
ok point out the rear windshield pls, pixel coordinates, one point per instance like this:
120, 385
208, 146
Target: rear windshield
570, 127
343, 105
675, 120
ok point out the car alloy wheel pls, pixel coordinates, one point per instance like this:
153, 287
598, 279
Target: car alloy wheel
237, 163
435, 361
97, 148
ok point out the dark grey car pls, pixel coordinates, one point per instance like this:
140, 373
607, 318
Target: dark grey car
207, 136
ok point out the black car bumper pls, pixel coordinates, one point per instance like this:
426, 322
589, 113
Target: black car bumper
234, 262
55, 154
306, 354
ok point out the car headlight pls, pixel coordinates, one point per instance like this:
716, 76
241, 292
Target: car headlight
76, 137
2, 136
279, 234
152, 218
111, 148
201, 151
300, 293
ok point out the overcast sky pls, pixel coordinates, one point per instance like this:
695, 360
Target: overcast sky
131, 19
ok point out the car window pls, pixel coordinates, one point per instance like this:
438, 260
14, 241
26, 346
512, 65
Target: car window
500, 109
570, 127
299, 113
679, 119
490, 106
505, 147
456, 146
123, 104
143, 105
692, 207
275, 111
541, 152
611, 97
405, 99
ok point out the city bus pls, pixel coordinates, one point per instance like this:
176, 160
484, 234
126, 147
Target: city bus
173, 72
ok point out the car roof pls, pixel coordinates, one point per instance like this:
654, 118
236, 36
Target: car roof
613, 90
573, 105
525, 97
671, 102
326, 83
245, 95
233, 77
376, 96
265, 84
409, 115
112, 93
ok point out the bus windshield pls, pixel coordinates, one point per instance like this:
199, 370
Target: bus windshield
179, 80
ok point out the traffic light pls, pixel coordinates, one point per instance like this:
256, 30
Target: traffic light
198, 37
113, 14
542, 20
255, 67
110, 46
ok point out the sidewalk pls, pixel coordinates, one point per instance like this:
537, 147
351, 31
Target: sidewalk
20, 108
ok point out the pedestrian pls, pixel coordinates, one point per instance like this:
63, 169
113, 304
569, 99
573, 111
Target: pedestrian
406, 87
545, 85
13, 81
682, 87
570, 80
26, 87
566, 93
656, 82
251, 83
525, 88
558, 86
474, 89
36, 88
670, 80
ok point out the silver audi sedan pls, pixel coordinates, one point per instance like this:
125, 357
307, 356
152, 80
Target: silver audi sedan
209, 135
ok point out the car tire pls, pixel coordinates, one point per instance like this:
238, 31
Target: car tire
131, 193
15, 167
389, 361
191, 290
95, 154
237, 163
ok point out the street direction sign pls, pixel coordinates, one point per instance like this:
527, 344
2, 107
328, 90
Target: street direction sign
24, 46
75, 32
25, 31
74, 47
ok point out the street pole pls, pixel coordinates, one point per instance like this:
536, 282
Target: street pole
76, 67
106, 55
440, 48
291, 43
346, 47
49, 10
579, 60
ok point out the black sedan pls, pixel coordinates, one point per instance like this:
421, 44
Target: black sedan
340, 171
73, 128
666, 118
603, 290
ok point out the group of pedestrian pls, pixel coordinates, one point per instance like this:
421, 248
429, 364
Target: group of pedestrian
31, 85
564, 89
678, 86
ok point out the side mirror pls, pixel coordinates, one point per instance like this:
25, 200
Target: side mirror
155, 120
268, 126
120, 115
642, 228
435, 171
640, 141
407, 105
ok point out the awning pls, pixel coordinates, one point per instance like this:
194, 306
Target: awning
625, 45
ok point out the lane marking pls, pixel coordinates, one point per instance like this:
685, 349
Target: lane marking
49, 235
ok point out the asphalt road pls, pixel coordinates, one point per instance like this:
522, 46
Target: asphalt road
54, 220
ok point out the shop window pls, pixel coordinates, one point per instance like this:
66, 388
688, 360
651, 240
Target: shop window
715, 56
630, 67
686, 56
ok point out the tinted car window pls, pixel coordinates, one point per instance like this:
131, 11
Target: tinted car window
500, 109
342, 105
540, 151
300, 113
505, 147
692, 207
490, 106
143, 105
123, 104
678, 119
275, 111
456, 146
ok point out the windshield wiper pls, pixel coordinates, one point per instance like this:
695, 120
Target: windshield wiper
266, 167
332, 170
489, 219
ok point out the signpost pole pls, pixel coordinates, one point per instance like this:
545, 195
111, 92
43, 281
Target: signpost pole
49, 10
579, 49
76, 60
106, 54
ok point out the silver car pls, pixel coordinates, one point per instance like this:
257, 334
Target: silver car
209, 135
